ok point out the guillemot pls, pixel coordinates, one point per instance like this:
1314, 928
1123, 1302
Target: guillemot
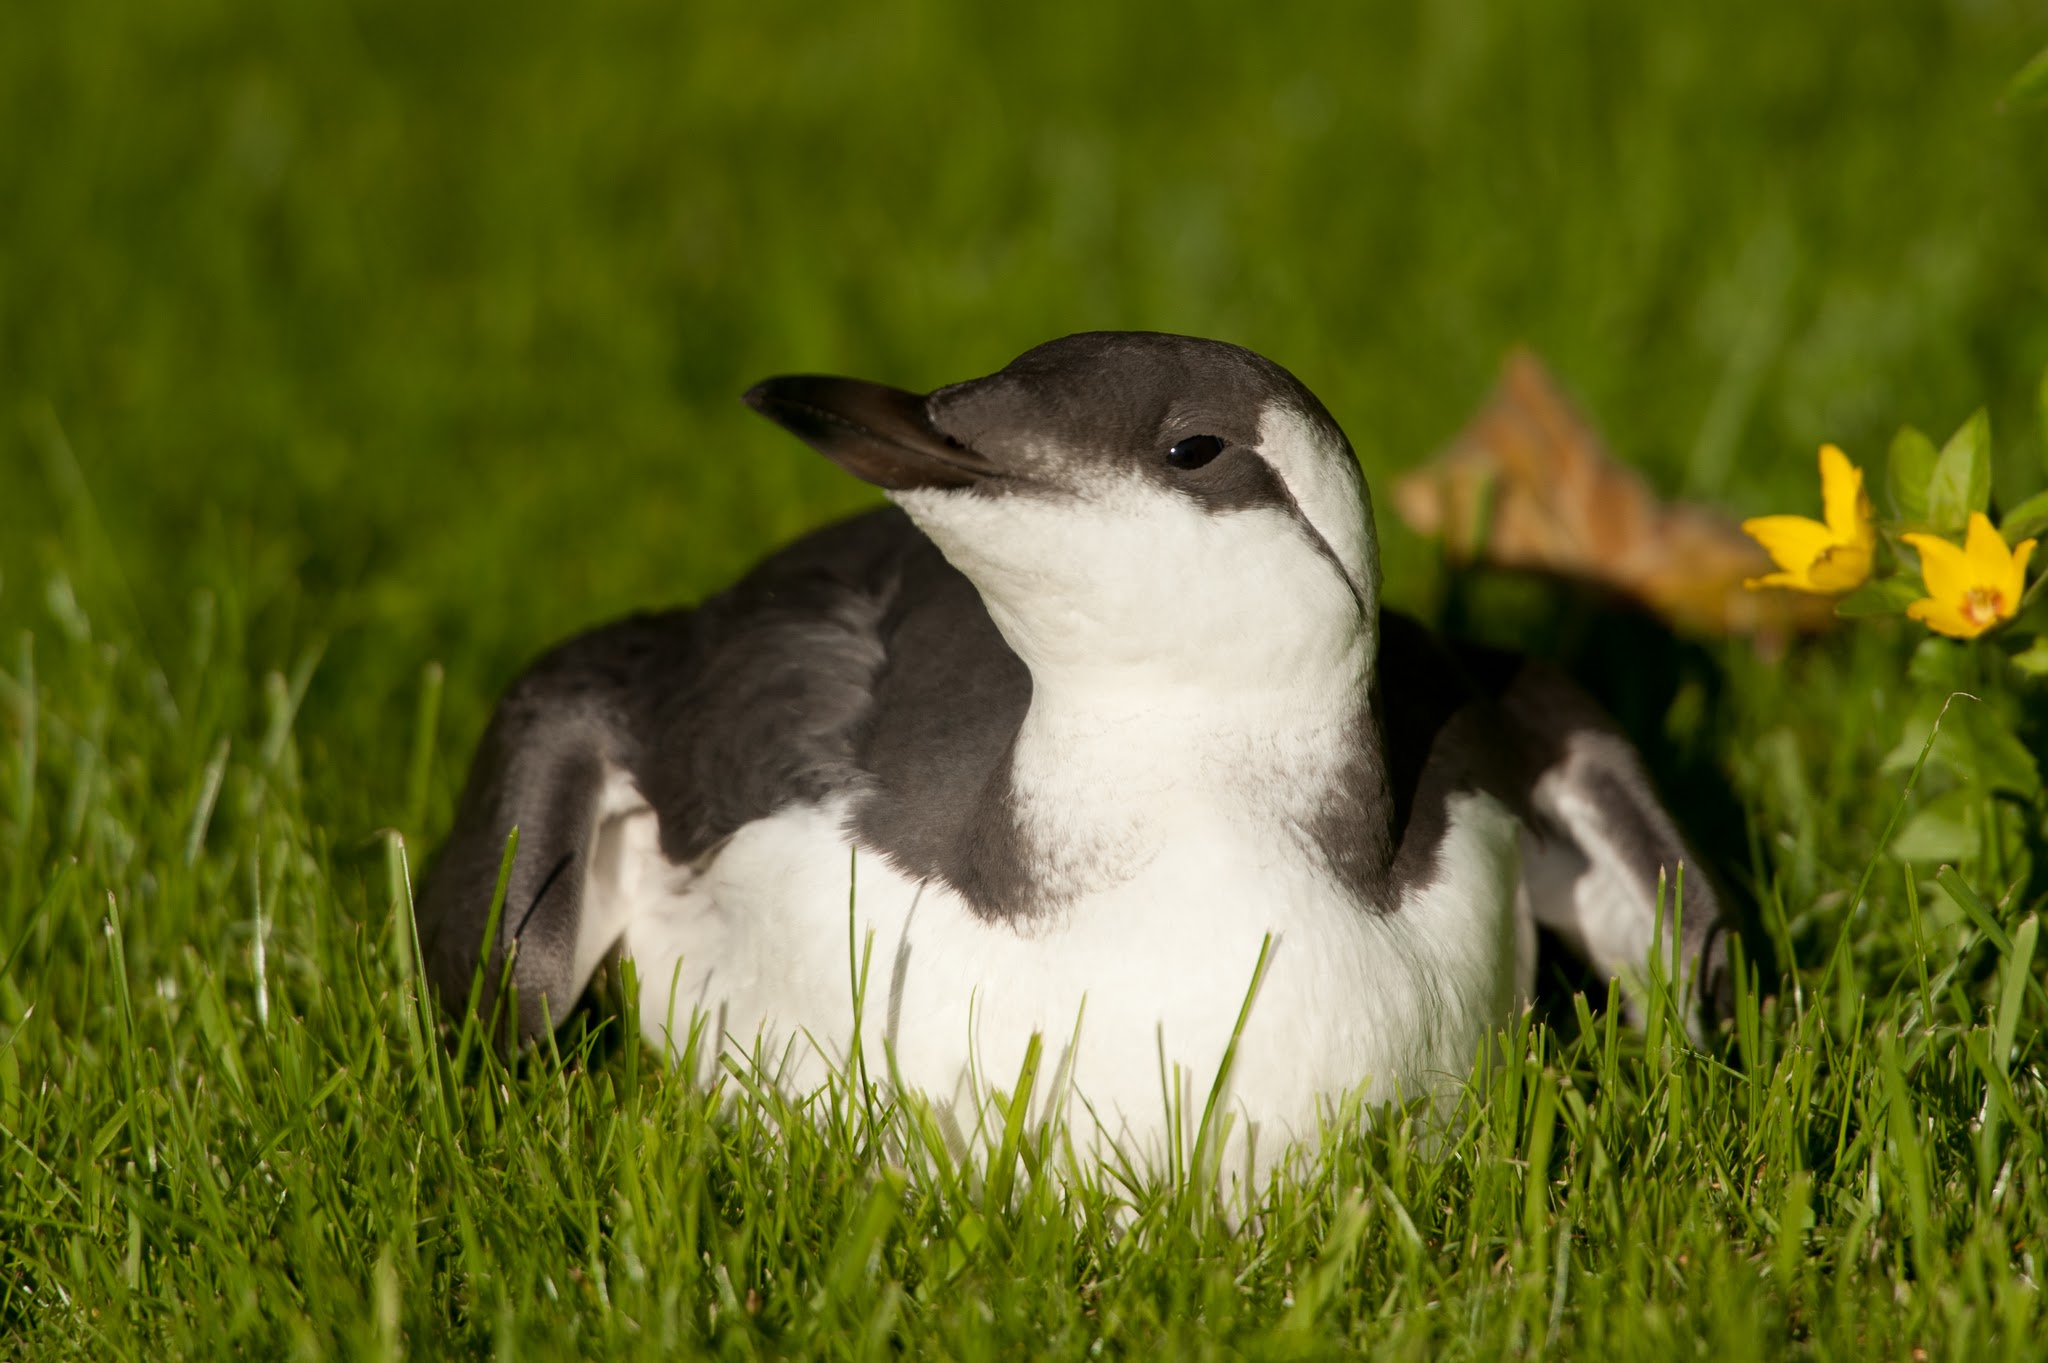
1100, 714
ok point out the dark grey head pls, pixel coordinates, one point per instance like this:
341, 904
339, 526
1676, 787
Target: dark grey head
1133, 498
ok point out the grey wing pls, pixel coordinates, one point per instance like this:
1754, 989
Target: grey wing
1596, 836
1602, 853
704, 719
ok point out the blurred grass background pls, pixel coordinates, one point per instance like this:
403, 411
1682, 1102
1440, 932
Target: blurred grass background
340, 338
432, 318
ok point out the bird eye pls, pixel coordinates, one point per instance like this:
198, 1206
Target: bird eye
1195, 451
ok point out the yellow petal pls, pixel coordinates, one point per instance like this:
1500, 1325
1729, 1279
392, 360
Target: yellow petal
1942, 567
1841, 494
2016, 584
1798, 582
1990, 561
1840, 568
1793, 541
1943, 618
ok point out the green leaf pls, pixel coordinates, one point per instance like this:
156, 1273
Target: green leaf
2026, 520
2000, 759
1944, 829
1939, 665
1975, 744
1881, 596
1961, 482
2033, 660
2030, 87
1907, 471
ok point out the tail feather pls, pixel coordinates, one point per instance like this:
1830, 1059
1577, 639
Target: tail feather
554, 765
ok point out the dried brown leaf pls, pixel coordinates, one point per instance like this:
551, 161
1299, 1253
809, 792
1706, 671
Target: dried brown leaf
1529, 485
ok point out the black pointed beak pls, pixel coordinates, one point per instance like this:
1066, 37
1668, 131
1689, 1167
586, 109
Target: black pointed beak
878, 434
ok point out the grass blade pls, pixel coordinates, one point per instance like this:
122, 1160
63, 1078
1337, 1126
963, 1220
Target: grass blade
2012, 993
1975, 909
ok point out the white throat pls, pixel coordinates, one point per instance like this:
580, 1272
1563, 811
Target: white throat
1106, 780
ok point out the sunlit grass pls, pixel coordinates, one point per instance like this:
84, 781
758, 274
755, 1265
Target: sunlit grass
253, 1131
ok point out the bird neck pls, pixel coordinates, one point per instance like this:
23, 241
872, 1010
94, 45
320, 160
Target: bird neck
1104, 775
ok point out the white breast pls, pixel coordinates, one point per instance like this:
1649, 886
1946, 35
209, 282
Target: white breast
764, 942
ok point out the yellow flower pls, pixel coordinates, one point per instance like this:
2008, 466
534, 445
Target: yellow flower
1824, 559
1972, 588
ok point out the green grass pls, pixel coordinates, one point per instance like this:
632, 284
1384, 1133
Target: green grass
341, 342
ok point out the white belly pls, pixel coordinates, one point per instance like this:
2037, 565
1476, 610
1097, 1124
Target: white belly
1135, 990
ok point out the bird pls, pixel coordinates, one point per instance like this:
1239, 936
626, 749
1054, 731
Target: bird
1094, 742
